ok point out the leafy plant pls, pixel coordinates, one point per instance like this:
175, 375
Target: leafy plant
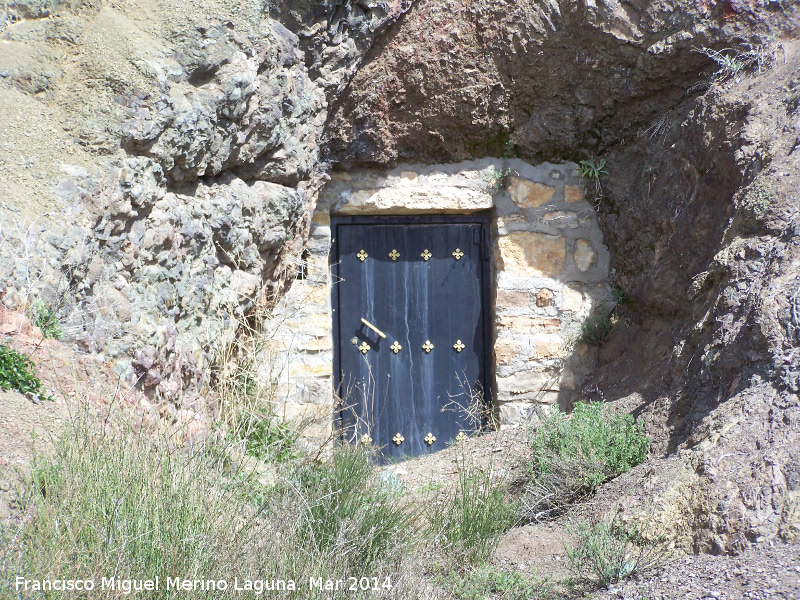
473, 519
268, 438
499, 178
592, 168
595, 329
45, 319
16, 372
608, 553
572, 455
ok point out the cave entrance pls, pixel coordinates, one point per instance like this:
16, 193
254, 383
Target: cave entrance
411, 330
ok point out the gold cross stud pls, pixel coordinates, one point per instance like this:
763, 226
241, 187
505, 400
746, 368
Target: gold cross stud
398, 439
364, 347
427, 346
426, 255
366, 440
362, 255
458, 254
429, 439
459, 346
396, 347
394, 254
461, 437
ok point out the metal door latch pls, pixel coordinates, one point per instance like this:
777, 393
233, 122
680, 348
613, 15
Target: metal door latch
375, 329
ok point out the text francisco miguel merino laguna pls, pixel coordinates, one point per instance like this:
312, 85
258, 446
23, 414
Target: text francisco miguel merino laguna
129, 586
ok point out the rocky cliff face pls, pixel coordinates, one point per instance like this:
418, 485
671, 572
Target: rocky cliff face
182, 169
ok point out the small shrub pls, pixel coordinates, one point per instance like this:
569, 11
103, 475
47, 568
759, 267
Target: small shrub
572, 456
473, 519
592, 168
596, 329
347, 511
608, 553
46, 320
488, 582
16, 372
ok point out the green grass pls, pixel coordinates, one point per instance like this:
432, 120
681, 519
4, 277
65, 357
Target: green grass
489, 582
595, 329
348, 511
473, 519
129, 506
608, 553
46, 320
16, 372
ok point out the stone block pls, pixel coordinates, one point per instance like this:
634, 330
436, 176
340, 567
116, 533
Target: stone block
527, 254
583, 255
321, 218
528, 194
527, 384
573, 300
415, 199
512, 299
529, 325
561, 218
544, 298
574, 193
505, 350
317, 324
547, 347
244, 284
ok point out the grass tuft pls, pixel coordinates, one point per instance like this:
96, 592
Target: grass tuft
608, 553
472, 521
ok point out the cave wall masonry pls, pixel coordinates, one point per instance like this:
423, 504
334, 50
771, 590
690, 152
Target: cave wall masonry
549, 264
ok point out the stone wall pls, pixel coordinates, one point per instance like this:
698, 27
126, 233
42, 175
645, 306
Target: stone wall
549, 266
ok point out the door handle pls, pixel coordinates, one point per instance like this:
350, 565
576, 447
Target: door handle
375, 329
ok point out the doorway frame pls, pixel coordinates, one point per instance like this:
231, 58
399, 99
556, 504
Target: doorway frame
482, 218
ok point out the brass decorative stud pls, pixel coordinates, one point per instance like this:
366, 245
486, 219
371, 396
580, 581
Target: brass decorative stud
364, 347
461, 437
427, 346
398, 439
429, 439
396, 347
394, 254
426, 255
459, 346
365, 440
458, 254
362, 255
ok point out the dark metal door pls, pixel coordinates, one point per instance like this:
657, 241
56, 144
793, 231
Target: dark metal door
410, 326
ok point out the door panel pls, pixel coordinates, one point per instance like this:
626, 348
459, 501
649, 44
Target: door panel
421, 284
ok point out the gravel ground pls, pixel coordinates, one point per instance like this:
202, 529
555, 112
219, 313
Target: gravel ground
758, 573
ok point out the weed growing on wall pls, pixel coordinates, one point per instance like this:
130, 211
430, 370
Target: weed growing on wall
595, 329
